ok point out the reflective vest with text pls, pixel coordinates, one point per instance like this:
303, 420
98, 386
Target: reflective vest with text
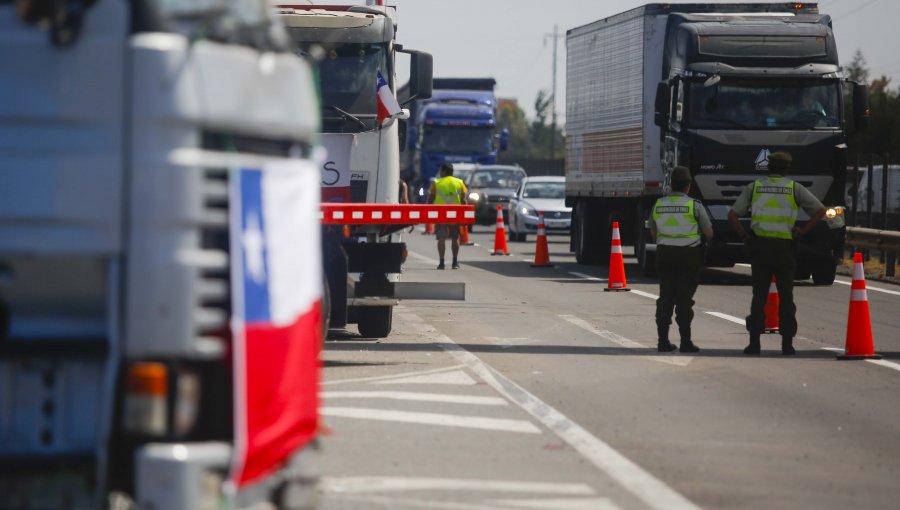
773, 208
676, 224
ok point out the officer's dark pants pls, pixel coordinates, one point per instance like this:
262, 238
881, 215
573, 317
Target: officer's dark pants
773, 257
678, 269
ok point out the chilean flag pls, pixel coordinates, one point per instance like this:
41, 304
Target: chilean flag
276, 275
388, 107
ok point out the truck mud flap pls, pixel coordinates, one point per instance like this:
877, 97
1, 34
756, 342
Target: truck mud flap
374, 257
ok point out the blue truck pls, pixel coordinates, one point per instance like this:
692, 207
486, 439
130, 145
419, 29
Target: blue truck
458, 124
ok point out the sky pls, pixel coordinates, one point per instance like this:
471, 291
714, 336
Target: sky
511, 40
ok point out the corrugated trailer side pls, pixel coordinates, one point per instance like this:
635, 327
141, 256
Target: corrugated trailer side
605, 107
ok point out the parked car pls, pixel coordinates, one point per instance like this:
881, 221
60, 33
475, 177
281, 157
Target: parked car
490, 186
536, 195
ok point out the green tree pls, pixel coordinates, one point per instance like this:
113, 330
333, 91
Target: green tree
883, 132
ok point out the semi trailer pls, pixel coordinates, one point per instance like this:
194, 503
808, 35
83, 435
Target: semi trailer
715, 88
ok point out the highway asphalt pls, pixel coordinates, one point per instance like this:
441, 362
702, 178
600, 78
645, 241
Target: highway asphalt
541, 391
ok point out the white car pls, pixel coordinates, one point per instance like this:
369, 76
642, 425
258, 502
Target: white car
546, 194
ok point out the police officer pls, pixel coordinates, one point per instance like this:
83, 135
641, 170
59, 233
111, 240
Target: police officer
676, 223
447, 190
773, 203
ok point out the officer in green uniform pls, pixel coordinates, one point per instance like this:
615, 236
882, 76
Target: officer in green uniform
447, 190
773, 203
676, 223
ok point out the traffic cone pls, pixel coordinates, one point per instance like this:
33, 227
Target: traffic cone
616, 263
500, 235
429, 229
464, 236
859, 323
541, 252
771, 309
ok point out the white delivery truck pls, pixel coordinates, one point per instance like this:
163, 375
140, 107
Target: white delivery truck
715, 88
123, 126
356, 49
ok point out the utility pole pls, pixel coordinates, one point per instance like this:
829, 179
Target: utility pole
555, 35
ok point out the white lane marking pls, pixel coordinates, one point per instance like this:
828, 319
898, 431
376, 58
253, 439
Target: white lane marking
730, 318
395, 376
632, 477
589, 277
418, 397
423, 258
559, 504
443, 420
645, 294
876, 289
879, 362
369, 484
456, 377
681, 361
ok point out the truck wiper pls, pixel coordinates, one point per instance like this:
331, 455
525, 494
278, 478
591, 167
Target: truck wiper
347, 115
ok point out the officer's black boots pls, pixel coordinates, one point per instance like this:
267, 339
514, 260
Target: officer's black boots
753, 348
787, 346
686, 344
664, 345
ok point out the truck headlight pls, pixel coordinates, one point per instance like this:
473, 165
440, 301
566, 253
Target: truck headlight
833, 212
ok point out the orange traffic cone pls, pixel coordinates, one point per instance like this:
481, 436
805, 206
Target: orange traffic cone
464, 236
429, 229
500, 235
771, 309
541, 252
616, 262
859, 323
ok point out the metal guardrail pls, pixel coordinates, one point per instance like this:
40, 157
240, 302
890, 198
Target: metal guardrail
888, 241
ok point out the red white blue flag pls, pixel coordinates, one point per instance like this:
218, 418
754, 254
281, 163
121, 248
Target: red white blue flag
388, 107
276, 270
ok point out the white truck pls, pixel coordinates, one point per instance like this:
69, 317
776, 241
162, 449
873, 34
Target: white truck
122, 128
356, 48
714, 87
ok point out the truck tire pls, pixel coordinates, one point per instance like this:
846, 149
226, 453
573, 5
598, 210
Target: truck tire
646, 259
801, 273
588, 235
823, 272
374, 321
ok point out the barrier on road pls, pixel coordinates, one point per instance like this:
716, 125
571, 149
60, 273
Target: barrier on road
541, 250
887, 241
500, 235
771, 309
859, 343
616, 263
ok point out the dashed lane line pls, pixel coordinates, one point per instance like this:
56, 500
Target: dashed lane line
588, 277
868, 287
368, 484
439, 419
416, 397
879, 362
682, 361
395, 376
729, 318
649, 489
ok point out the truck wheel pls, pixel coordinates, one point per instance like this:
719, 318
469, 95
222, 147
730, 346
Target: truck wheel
823, 273
374, 321
587, 242
802, 271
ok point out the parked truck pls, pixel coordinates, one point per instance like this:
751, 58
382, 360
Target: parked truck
715, 88
356, 49
129, 135
457, 124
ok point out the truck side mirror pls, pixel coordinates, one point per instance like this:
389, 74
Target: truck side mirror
662, 105
861, 109
420, 74
504, 139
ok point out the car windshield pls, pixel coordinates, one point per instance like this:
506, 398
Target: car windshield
495, 179
462, 174
458, 139
544, 190
763, 105
347, 77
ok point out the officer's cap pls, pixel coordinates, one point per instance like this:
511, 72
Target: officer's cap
681, 176
780, 161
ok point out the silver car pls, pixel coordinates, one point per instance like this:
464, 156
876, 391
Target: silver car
535, 195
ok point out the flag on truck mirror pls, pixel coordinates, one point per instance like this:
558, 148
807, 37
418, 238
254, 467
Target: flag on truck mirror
276, 287
388, 107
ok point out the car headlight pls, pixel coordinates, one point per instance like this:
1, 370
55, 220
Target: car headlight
474, 196
527, 211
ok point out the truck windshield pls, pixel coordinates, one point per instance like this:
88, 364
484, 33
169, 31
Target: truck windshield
347, 77
458, 139
763, 105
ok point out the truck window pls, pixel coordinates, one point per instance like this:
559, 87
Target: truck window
458, 139
763, 104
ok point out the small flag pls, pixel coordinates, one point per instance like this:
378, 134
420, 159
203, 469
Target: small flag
388, 107
276, 289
